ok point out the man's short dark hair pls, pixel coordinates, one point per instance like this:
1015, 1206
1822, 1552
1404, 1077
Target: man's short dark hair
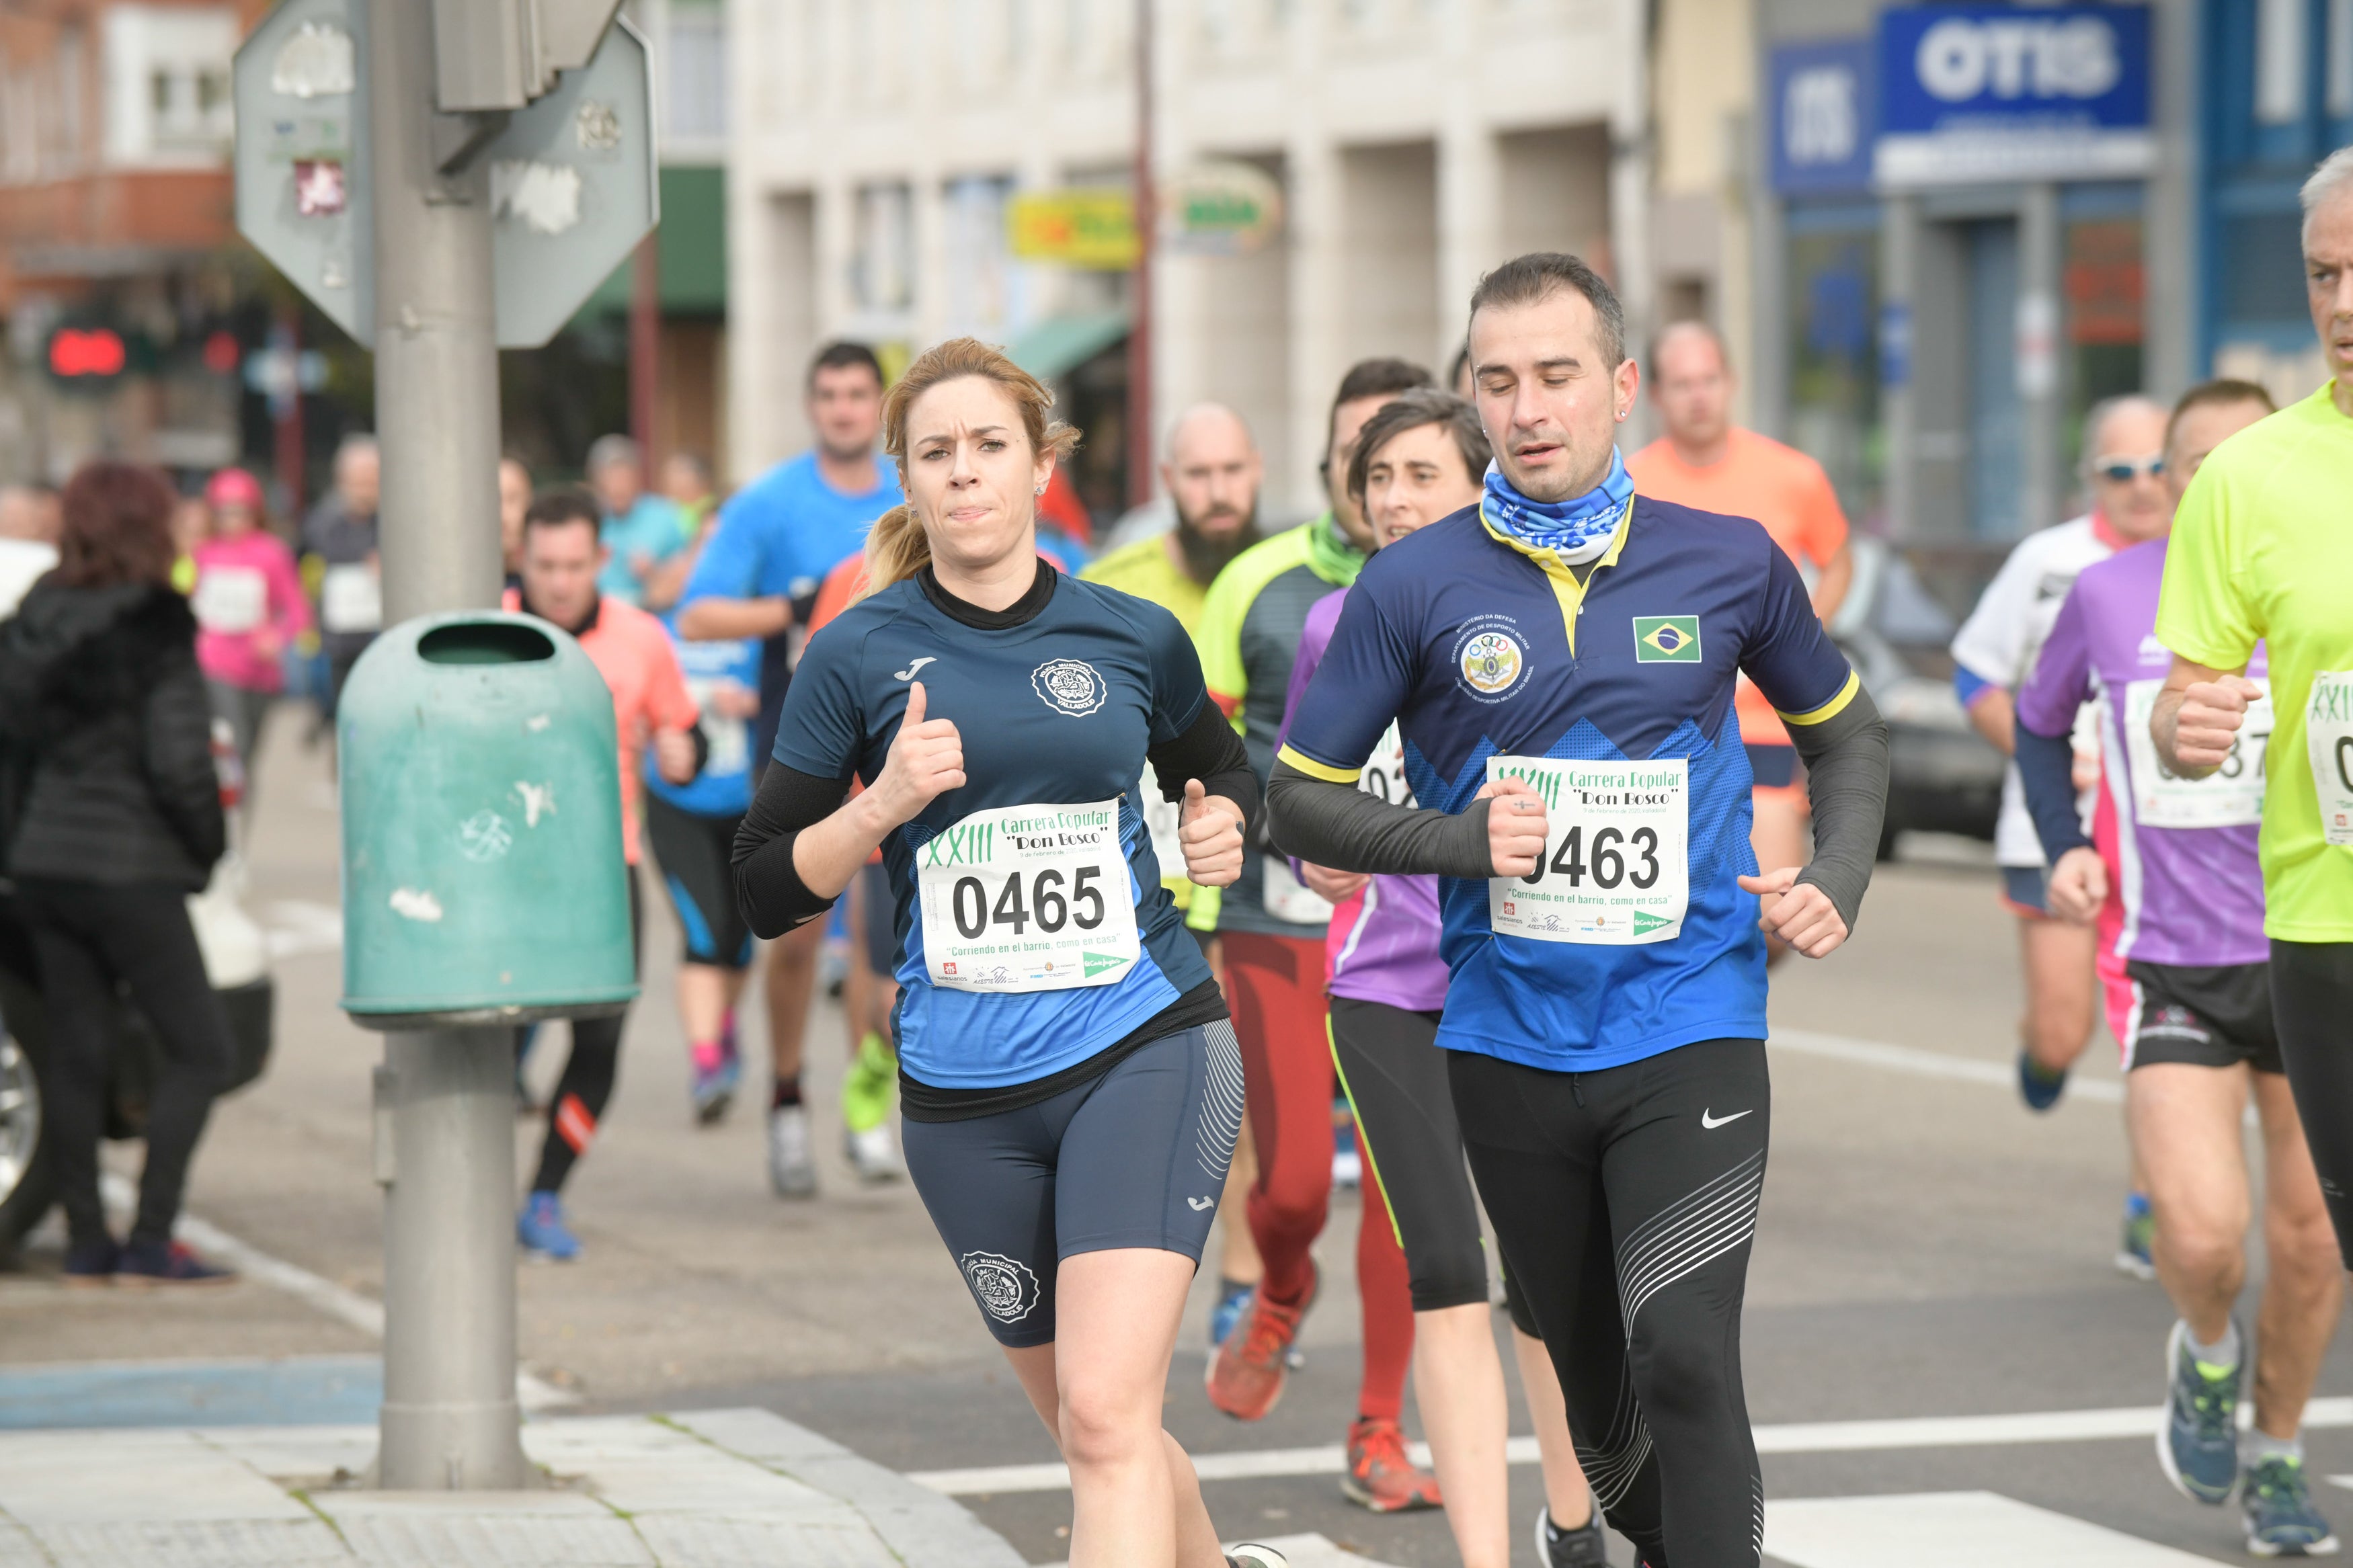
841, 354
2219, 393
560, 505
1410, 410
1370, 378
1527, 279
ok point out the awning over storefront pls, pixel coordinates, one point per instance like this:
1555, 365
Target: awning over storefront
1060, 345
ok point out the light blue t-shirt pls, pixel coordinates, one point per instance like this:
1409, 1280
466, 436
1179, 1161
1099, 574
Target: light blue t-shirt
724, 787
652, 528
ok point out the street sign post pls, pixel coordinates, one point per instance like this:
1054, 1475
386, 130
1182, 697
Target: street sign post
444, 177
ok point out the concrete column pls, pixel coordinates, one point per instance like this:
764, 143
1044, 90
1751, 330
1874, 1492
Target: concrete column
1899, 271
1470, 233
2039, 389
2171, 358
1629, 200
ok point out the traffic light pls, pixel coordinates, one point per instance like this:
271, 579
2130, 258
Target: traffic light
501, 54
86, 353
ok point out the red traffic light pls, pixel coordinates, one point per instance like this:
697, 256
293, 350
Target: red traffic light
94, 352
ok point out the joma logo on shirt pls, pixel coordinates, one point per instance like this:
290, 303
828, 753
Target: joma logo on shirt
966, 843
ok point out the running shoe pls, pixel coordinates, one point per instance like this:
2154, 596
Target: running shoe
2039, 1086
143, 1264
2281, 1520
540, 1232
1251, 1554
1587, 1546
866, 1090
93, 1263
714, 1089
873, 1155
1246, 1376
1379, 1475
792, 1170
2198, 1444
2133, 1256
1232, 1297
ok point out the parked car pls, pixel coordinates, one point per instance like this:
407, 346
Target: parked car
1943, 776
237, 960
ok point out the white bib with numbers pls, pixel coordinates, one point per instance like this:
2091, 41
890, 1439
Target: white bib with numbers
1163, 819
1383, 777
1028, 898
351, 599
230, 599
2230, 796
2328, 744
731, 738
1617, 865
1287, 898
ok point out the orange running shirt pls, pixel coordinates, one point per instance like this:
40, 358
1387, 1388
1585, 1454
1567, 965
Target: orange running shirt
1778, 485
633, 654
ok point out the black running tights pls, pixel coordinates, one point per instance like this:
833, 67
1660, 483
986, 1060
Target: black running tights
1624, 1201
93, 940
2312, 1005
587, 1085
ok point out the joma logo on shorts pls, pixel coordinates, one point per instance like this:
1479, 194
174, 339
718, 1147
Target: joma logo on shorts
966, 843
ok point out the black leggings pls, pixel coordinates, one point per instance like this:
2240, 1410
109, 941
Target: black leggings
2312, 1006
1625, 1201
587, 1085
94, 941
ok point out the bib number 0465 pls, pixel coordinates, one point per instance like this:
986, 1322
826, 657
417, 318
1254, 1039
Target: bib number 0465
1046, 904
1028, 898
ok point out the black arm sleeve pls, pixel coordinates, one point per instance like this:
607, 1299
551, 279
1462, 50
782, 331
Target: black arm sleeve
768, 887
1341, 826
702, 740
1210, 751
2046, 766
1846, 778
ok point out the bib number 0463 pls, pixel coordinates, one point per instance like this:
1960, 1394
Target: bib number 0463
1615, 866
1028, 898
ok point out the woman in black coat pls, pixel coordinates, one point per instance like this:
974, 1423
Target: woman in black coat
119, 819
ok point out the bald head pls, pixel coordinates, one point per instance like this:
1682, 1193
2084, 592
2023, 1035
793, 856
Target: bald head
1213, 471
1206, 425
1690, 384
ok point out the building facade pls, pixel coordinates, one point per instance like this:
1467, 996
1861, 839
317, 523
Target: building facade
878, 144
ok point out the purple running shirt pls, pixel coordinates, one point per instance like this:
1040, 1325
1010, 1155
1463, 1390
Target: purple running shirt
2185, 866
1383, 944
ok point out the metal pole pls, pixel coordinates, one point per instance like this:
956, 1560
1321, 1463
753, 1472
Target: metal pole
1139, 334
449, 1418
645, 350
2040, 263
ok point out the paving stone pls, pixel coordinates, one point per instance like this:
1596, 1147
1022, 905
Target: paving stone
429, 1539
205, 1543
684, 1541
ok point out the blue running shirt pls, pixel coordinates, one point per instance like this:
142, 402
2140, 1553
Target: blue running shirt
1059, 710
1480, 650
724, 787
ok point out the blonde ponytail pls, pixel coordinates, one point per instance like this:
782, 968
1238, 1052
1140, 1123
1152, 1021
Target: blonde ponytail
897, 547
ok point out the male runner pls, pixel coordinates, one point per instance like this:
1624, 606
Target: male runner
776, 539
642, 528
1706, 461
2194, 1017
657, 720
1212, 470
1271, 929
1559, 662
2262, 551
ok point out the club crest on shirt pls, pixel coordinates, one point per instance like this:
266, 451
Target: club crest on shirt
1069, 686
1490, 657
1003, 1286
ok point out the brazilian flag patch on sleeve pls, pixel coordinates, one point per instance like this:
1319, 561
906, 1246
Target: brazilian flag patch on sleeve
1666, 639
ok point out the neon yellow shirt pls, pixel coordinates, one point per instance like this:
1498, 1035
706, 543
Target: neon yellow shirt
2262, 549
1144, 570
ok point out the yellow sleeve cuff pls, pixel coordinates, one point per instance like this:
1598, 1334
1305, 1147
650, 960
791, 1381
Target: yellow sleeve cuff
1315, 770
1829, 709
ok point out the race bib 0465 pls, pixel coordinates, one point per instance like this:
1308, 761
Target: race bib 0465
1617, 864
1028, 898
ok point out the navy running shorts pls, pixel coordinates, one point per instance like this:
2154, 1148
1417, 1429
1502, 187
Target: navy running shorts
2023, 889
694, 851
1136, 1157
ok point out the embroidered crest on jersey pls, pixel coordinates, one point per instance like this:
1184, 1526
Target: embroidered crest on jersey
1490, 657
1069, 686
1666, 639
1003, 1286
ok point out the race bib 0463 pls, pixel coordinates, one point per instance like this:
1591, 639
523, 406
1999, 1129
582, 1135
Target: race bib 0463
2230, 796
2328, 744
1617, 865
1028, 898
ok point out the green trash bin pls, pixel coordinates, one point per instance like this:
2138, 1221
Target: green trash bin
483, 881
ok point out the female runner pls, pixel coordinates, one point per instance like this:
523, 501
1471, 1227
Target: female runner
1070, 1084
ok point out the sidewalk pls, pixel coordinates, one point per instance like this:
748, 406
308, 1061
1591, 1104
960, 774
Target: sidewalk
715, 1488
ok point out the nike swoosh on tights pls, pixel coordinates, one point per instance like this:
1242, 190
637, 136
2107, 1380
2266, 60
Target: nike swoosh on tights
1713, 1122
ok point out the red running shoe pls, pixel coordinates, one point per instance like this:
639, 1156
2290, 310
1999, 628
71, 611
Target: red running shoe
1247, 1372
1379, 1477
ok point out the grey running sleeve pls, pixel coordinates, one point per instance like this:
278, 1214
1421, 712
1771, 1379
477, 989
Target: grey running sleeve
1846, 777
1339, 826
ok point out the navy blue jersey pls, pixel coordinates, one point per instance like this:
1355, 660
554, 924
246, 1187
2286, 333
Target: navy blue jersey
1478, 649
1057, 710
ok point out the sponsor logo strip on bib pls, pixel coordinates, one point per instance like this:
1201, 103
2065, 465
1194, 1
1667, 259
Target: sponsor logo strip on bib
1616, 868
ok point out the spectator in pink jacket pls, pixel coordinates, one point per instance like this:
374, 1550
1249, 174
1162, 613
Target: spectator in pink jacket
250, 607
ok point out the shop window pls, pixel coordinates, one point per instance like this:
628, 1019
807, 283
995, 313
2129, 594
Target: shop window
1834, 363
2106, 292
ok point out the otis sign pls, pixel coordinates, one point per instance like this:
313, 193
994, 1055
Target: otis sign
1970, 93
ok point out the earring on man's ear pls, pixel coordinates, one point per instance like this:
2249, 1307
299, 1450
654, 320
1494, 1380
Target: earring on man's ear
1041, 490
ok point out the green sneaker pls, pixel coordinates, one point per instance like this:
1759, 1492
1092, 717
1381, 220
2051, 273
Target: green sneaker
2281, 1520
866, 1092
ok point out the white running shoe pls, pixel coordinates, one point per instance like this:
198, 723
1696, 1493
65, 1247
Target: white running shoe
872, 1154
791, 1170
1251, 1554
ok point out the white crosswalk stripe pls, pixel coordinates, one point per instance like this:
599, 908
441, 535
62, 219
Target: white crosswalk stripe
1950, 1529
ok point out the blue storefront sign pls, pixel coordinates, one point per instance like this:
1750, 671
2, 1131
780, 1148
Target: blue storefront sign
1823, 117
1970, 93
